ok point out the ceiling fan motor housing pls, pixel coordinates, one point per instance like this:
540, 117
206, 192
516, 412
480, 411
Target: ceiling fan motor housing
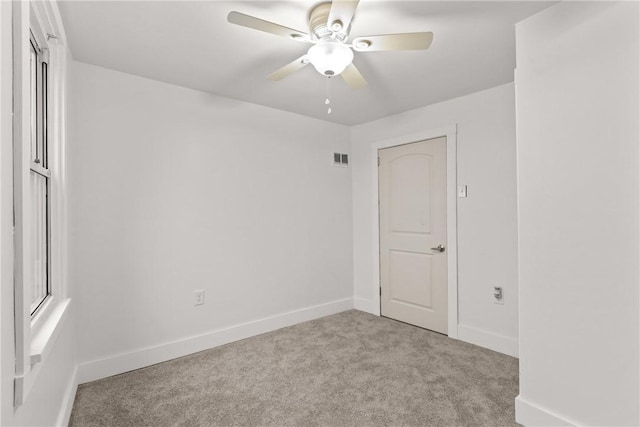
330, 56
318, 18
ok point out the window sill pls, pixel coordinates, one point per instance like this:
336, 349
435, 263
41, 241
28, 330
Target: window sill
46, 329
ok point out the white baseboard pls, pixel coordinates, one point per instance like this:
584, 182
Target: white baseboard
124, 362
68, 399
529, 414
365, 305
487, 339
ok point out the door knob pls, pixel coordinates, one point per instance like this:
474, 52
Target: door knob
439, 248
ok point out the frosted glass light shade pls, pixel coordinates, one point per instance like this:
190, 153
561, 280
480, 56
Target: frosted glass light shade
330, 58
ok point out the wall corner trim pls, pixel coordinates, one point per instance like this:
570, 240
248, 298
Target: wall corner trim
140, 358
487, 339
530, 414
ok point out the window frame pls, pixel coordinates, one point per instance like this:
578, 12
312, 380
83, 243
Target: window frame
39, 164
36, 334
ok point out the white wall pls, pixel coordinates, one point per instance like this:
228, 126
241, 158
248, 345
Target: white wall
578, 185
487, 240
174, 190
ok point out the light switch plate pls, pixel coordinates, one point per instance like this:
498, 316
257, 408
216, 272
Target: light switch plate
462, 191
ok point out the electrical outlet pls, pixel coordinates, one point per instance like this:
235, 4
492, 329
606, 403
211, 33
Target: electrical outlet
198, 297
498, 295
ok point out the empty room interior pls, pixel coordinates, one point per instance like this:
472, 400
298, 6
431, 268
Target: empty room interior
309, 212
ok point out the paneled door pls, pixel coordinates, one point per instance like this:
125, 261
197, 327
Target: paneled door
412, 182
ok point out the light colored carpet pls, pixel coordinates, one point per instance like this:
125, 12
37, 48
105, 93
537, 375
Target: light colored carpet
349, 369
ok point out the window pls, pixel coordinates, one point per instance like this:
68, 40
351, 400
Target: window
37, 62
40, 176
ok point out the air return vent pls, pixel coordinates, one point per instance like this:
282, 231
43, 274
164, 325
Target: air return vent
341, 159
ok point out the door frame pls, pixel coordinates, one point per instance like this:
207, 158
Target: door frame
450, 133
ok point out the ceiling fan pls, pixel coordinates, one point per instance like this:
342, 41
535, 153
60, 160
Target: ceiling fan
332, 53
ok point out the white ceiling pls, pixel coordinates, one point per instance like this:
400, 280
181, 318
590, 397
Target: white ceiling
191, 44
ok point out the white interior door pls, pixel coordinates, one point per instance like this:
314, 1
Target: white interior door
413, 233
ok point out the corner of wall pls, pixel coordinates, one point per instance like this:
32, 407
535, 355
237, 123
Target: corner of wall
365, 305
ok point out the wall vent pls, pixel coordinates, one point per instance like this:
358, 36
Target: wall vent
341, 159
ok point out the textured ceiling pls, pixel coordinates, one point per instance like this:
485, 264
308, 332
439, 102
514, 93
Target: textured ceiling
191, 44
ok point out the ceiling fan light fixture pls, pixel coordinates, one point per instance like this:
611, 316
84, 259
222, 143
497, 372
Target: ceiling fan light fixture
330, 58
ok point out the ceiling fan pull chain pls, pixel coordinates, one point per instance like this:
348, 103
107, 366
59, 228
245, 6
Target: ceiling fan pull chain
327, 101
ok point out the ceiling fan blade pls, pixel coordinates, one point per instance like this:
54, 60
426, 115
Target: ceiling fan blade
352, 76
342, 12
407, 41
266, 26
289, 68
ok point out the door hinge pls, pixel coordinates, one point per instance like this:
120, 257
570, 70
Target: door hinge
378, 160
381, 291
